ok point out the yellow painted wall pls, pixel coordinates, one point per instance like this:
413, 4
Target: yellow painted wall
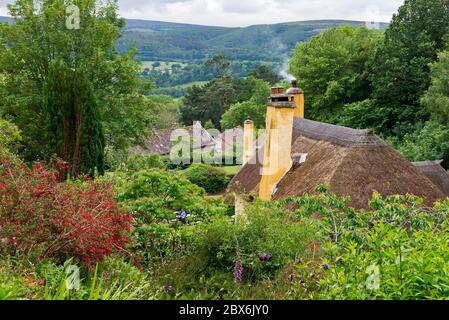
299, 101
277, 154
248, 141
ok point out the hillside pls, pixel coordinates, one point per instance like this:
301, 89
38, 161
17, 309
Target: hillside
172, 41
165, 41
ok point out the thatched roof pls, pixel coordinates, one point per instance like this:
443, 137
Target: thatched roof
159, 140
435, 172
352, 162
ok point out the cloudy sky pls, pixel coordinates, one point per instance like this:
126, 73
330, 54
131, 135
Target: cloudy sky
250, 12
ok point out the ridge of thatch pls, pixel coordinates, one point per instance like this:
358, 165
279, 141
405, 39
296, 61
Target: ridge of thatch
337, 134
436, 173
428, 163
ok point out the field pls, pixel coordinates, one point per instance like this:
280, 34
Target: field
164, 65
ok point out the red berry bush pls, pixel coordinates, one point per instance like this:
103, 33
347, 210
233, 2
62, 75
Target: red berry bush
42, 218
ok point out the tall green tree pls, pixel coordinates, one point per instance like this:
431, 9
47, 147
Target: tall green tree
211, 101
333, 69
436, 99
65, 87
401, 72
219, 64
254, 109
265, 73
432, 141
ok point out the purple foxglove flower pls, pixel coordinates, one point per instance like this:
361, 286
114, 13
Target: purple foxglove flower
238, 270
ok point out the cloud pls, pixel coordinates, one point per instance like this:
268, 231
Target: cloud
249, 12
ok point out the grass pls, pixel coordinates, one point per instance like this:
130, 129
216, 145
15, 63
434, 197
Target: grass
165, 65
232, 170
196, 83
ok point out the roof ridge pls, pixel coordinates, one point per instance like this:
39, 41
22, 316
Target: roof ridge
427, 163
336, 134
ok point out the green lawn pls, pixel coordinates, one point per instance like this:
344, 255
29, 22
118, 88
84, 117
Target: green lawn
232, 171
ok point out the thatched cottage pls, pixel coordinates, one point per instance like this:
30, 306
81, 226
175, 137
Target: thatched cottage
296, 155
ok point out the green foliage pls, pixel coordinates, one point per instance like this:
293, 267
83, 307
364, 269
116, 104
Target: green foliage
10, 135
163, 41
366, 114
217, 246
265, 73
397, 251
240, 112
73, 123
114, 279
436, 99
156, 197
255, 108
332, 68
68, 90
212, 179
401, 72
138, 162
318, 249
175, 81
13, 284
219, 64
212, 100
428, 143
164, 110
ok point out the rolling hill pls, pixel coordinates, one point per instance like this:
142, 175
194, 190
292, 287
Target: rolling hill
165, 41
173, 41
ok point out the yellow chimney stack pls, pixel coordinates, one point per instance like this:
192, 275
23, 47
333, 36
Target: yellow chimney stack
248, 141
278, 141
298, 95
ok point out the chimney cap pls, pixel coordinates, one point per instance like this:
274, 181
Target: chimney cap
294, 88
249, 121
278, 90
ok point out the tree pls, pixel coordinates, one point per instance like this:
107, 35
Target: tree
9, 135
219, 64
165, 111
254, 109
436, 99
211, 101
401, 72
265, 73
332, 68
432, 141
65, 88
428, 143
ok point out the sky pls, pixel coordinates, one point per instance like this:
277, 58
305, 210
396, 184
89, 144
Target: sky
241, 13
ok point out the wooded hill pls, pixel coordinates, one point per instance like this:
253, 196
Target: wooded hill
166, 41
161, 41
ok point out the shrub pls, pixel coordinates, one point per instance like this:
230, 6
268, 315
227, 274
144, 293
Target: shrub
156, 198
9, 135
233, 256
398, 250
138, 162
212, 179
42, 218
156, 195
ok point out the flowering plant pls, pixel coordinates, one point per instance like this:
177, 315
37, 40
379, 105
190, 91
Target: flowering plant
46, 219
